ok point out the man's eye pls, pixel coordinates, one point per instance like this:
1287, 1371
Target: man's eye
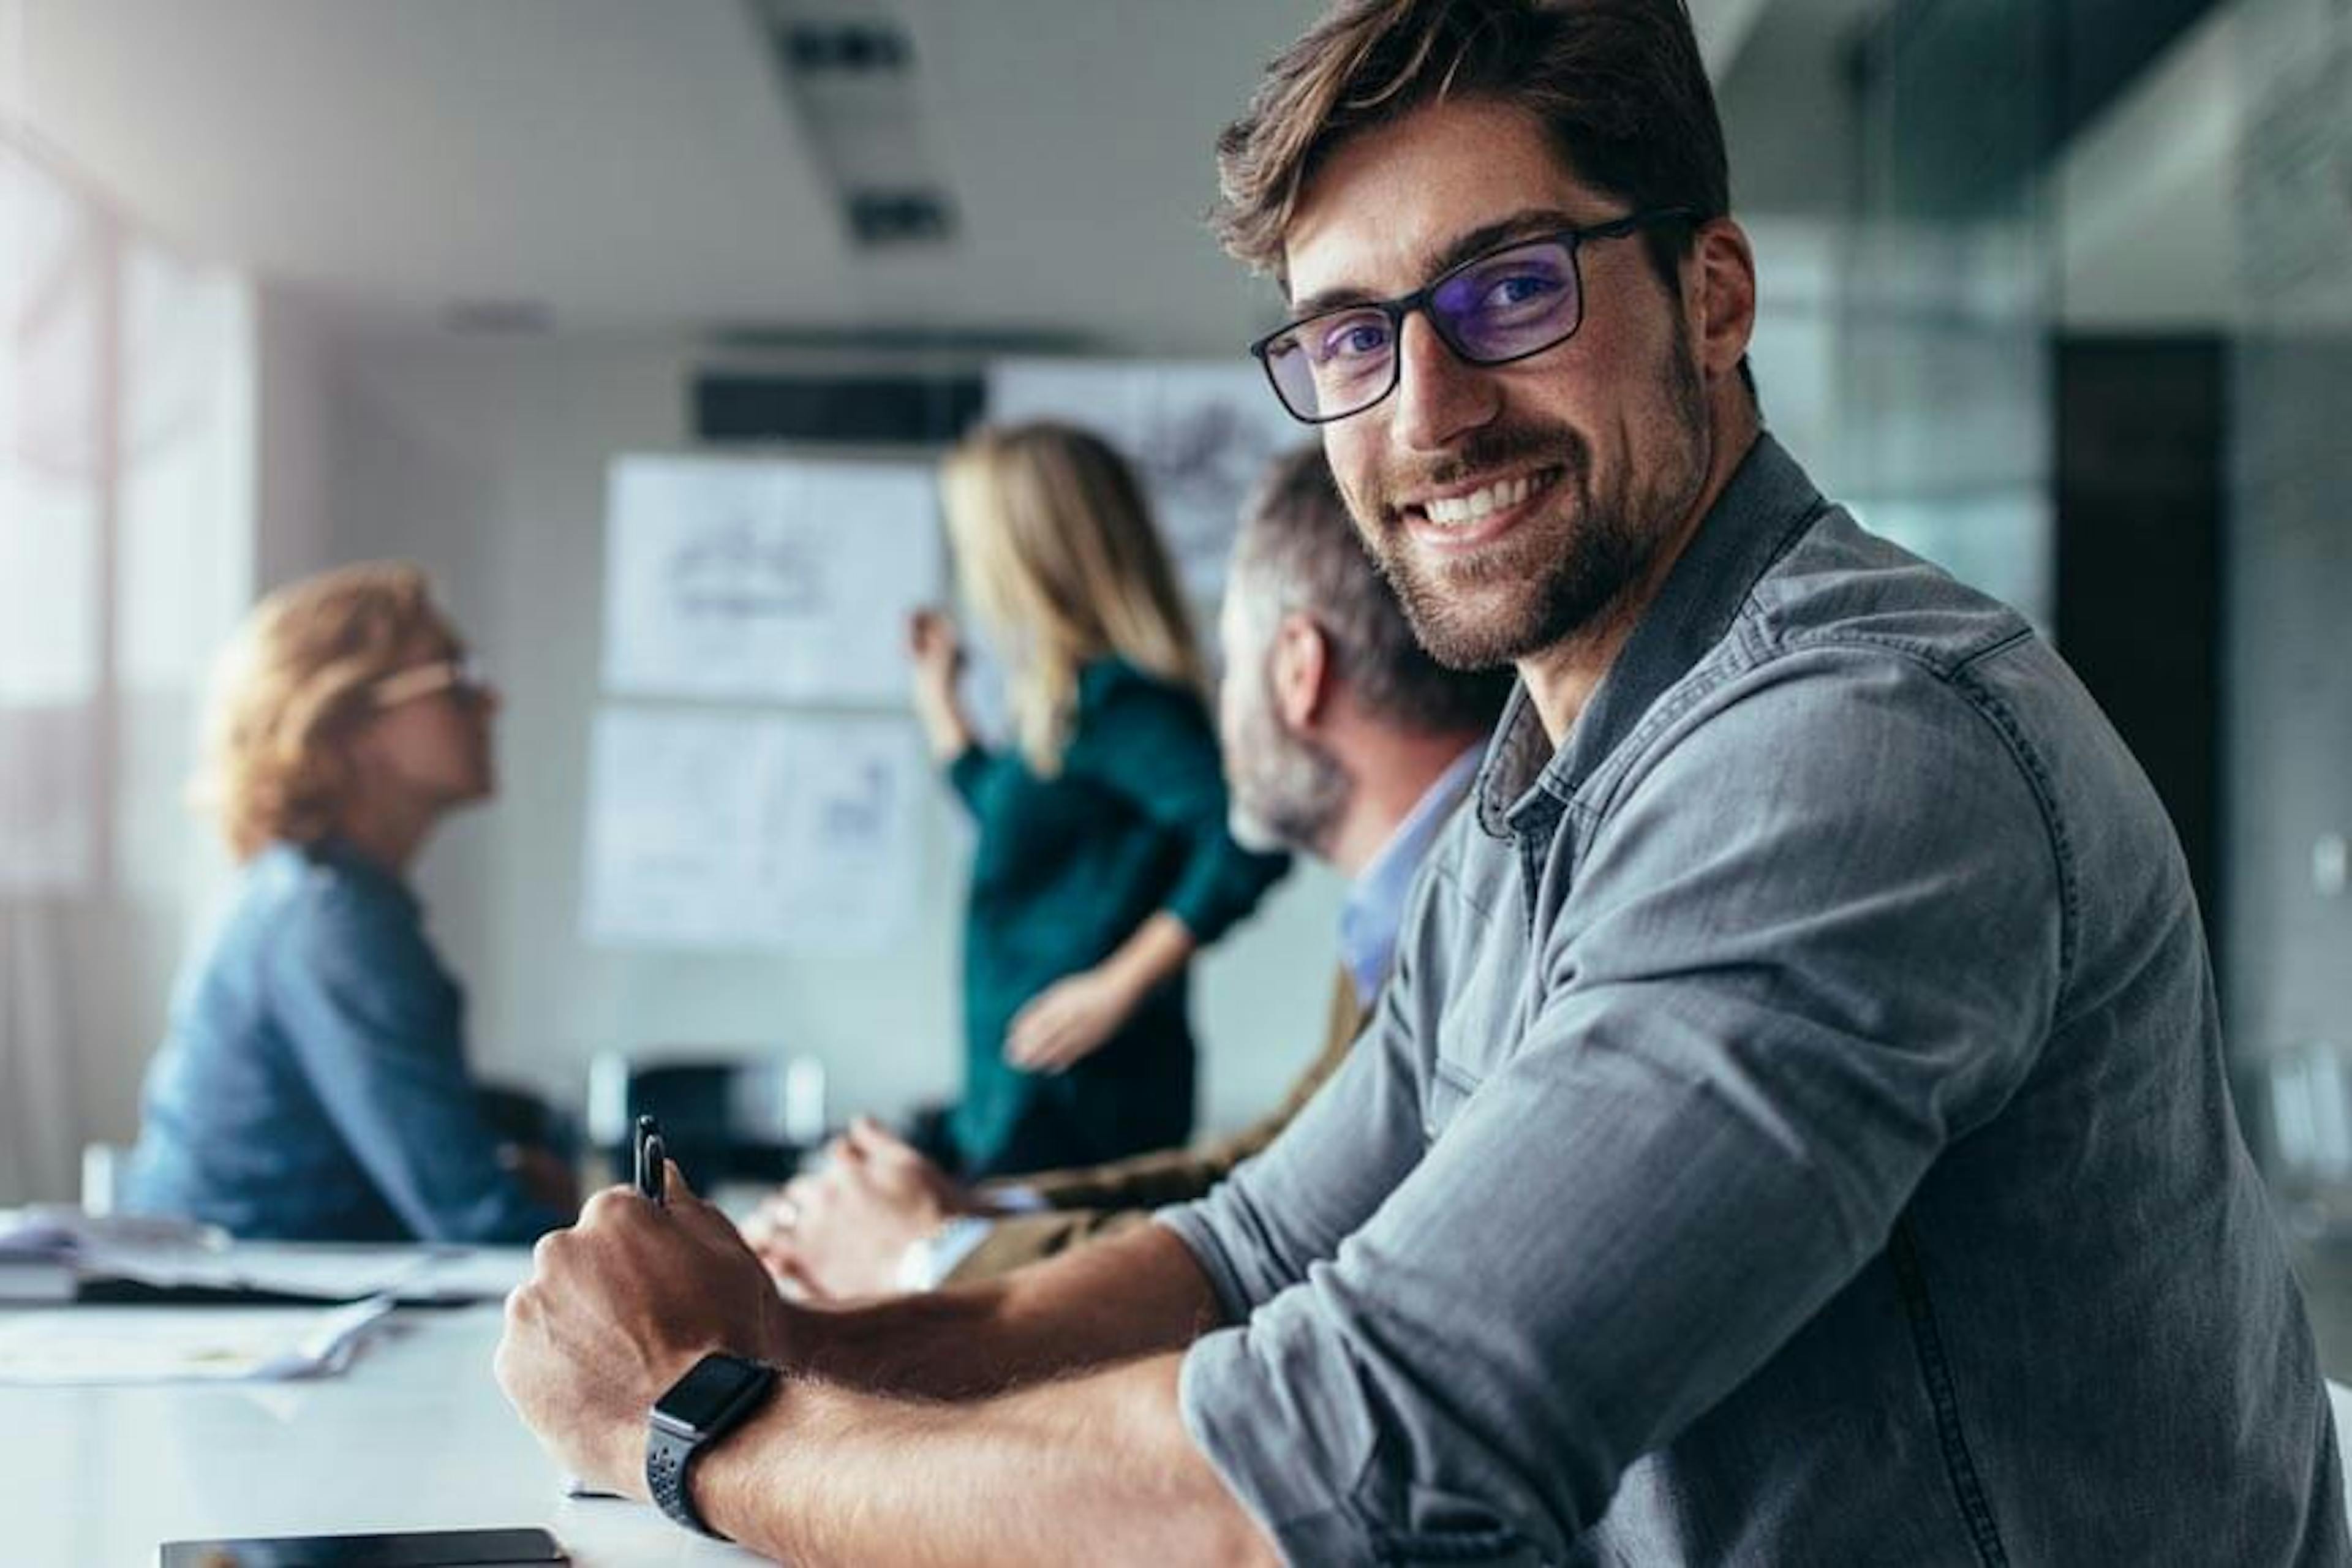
1519, 288
1354, 340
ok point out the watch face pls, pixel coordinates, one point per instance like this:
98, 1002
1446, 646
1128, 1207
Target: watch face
705, 1397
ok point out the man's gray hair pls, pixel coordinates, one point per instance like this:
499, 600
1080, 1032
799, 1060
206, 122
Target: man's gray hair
1298, 550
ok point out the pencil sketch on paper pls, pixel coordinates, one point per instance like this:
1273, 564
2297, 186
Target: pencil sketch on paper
778, 580
712, 830
1200, 435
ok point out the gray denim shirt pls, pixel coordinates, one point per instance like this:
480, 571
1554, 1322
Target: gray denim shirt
1796, 1133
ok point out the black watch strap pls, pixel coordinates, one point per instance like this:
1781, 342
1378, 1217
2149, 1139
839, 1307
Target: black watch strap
714, 1397
668, 1455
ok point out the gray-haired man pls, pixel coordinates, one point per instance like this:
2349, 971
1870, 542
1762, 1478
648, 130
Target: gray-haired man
1343, 740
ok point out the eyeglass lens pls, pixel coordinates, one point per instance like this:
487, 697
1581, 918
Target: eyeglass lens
1499, 308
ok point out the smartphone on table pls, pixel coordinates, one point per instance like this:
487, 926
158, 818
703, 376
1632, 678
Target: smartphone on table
404, 1548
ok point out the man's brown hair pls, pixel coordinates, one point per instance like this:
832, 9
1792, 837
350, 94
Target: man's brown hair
1619, 84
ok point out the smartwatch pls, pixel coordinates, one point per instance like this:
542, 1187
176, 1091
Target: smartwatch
701, 1407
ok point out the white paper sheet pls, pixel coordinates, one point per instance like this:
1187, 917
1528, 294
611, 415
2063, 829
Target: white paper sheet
1200, 433
731, 830
771, 579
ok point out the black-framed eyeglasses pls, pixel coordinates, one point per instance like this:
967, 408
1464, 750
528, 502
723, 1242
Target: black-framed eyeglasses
1508, 304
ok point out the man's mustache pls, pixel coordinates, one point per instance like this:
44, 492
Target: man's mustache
1490, 452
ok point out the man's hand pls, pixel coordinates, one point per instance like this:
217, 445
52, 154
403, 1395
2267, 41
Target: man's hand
616, 1310
1069, 1019
842, 1231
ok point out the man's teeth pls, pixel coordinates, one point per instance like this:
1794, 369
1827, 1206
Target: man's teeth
1455, 511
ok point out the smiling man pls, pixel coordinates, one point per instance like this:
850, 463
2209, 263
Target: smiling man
1797, 1128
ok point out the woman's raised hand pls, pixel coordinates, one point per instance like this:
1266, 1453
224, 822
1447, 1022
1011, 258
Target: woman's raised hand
937, 655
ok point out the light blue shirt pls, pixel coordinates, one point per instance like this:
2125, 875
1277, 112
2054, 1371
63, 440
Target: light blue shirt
1375, 905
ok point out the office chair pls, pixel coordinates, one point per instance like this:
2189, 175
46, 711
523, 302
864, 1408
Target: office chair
520, 1116
725, 1118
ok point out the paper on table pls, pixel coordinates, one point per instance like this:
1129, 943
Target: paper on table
56, 1230
328, 1272
204, 1344
166, 1254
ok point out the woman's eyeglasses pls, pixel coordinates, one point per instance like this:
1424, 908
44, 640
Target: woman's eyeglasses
461, 676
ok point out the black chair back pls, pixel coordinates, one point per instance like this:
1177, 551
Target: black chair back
725, 1118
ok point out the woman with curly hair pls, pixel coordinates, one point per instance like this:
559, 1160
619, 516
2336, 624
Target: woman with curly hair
313, 1081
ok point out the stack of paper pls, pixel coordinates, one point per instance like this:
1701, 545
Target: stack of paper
41, 1247
208, 1344
58, 1255
36, 1279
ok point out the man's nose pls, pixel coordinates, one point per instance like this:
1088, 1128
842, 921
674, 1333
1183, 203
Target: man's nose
1438, 396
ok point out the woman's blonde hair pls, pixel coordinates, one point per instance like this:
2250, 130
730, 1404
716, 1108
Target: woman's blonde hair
292, 683
1055, 548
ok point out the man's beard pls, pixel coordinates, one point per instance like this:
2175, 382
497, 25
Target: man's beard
1547, 579
1285, 792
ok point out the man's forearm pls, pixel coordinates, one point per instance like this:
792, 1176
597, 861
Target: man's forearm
1090, 1469
1131, 1296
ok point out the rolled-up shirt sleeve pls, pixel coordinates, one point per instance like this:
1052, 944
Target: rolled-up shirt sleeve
1755, 1026
1290, 1206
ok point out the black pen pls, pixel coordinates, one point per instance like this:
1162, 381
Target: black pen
653, 1157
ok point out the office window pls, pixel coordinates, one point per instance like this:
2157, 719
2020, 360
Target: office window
126, 526
53, 289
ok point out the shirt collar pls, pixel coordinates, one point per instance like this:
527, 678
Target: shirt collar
1375, 903
1766, 504
331, 851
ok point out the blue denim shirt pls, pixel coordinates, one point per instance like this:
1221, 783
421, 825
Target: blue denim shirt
313, 1083
1796, 1133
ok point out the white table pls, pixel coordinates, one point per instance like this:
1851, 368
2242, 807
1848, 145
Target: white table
413, 1435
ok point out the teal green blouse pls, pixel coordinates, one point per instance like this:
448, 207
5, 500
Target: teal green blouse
1064, 871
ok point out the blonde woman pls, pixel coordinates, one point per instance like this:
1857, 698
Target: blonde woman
313, 1083
1103, 861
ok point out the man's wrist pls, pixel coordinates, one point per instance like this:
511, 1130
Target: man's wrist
726, 1486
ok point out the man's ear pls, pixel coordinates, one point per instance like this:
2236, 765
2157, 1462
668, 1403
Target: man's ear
1301, 664
1724, 315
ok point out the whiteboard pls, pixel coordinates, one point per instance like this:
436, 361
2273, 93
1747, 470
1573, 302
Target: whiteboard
1200, 433
781, 580
709, 829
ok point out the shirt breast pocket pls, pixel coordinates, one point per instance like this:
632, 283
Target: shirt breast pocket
1451, 1085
